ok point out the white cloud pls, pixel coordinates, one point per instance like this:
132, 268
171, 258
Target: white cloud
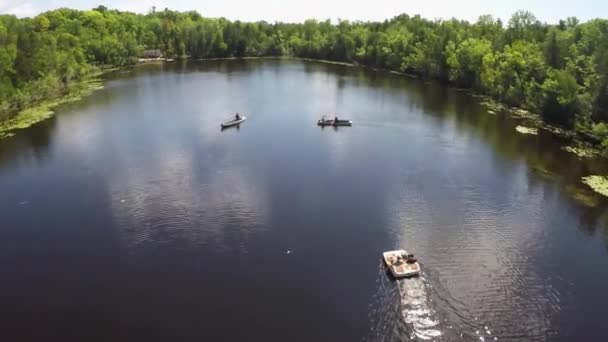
19, 9
142, 6
299, 10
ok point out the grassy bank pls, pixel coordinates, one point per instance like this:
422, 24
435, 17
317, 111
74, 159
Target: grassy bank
45, 109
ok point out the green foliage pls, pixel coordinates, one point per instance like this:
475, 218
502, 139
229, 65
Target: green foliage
582, 151
526, 130
44, 109
466, 60
560, 98
556, 47
513, 76
559, 71
523, 25
600, 130
599, 184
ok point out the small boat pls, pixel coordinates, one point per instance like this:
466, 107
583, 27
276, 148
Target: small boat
401, 264
233, 122
324, 121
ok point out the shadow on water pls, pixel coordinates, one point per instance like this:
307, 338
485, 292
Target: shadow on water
235, 127
31, 144
192, 67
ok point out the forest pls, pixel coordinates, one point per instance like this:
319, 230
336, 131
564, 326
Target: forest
558, 71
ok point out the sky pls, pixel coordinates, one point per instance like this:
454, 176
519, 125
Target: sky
299, 10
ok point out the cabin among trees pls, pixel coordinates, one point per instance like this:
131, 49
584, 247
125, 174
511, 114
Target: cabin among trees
151, 53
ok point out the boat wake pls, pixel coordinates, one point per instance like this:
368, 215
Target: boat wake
416, 308
403, 310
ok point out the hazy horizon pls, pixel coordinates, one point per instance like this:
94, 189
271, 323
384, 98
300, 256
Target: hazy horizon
298, 11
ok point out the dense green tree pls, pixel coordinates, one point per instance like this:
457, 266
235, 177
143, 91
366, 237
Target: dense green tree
556, 47
466, 59
560, 98
560, 70
514, 75
8, 53
523, 25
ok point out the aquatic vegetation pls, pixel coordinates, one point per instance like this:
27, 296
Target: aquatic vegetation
521, 113
44, 110
582, 151
349, 64
599, 184
26, 118
492, 105
529, 117
559, 131
527, 130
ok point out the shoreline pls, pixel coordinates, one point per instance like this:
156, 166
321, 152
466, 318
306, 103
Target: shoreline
576, 144
44, 110
153, 60
324, 61
528, 122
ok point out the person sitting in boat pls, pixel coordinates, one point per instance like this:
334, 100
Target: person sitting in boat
398, 261
237, 116
411, 259
336, 119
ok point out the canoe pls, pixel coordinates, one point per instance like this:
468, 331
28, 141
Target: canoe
400, 265
233, 122
325, 122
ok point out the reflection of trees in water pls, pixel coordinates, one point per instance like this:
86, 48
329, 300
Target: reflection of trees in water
190, 67
30, 144
604, 220
542, 154
590, 219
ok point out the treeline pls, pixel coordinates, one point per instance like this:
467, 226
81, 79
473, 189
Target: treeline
559, 71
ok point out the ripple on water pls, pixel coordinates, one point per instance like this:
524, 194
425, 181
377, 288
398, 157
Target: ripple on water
416, 308
402, 309
225, 213
479, 264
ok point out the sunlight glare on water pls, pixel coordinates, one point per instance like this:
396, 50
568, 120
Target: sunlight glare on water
416, 308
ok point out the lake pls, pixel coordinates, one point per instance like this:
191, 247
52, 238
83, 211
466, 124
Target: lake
130, 216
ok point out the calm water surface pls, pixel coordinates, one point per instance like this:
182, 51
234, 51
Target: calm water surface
131, 217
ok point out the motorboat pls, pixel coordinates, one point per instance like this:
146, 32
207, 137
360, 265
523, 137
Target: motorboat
401, 263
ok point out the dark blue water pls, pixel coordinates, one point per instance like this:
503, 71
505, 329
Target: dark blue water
130, 216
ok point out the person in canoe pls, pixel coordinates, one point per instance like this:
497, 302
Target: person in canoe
336, 119
237, 117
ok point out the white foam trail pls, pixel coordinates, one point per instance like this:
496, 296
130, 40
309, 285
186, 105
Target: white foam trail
415, 309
